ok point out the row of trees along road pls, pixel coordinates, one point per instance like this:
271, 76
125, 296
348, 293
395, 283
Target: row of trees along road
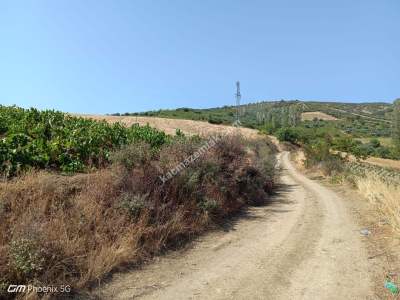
281, 116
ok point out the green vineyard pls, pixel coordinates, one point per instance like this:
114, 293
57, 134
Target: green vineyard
49, 139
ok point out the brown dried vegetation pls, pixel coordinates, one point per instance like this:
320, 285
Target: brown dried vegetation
74, 230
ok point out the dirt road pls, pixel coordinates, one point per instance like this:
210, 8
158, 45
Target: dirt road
304, 245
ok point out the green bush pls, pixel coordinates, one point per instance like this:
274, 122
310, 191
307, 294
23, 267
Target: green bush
363, 151
214, 120
287, 135
346, 144
375, 143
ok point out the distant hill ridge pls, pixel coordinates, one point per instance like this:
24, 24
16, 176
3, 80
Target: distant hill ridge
375, 112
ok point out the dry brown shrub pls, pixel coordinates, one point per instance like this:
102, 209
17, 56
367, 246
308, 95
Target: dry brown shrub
58, 230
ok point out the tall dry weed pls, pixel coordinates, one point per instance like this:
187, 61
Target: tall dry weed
385, 196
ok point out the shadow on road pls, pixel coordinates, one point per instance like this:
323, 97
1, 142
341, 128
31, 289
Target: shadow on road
275, 203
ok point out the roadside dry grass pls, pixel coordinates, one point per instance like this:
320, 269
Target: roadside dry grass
57, 230
384, 196
384, 225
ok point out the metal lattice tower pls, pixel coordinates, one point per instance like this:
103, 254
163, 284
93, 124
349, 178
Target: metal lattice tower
238, 97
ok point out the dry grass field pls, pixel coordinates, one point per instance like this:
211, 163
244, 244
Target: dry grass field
309, 116
383, 162
187, 126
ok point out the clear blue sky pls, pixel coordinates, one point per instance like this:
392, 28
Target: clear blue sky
117, 56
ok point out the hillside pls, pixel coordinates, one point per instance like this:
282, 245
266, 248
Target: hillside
359, 119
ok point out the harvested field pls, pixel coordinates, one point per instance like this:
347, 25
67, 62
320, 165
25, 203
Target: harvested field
187, 126
309, 116
377, 161
383, 162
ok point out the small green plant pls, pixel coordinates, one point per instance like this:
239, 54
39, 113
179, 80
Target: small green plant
133, 204
179, 133
26, 257
208, 205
